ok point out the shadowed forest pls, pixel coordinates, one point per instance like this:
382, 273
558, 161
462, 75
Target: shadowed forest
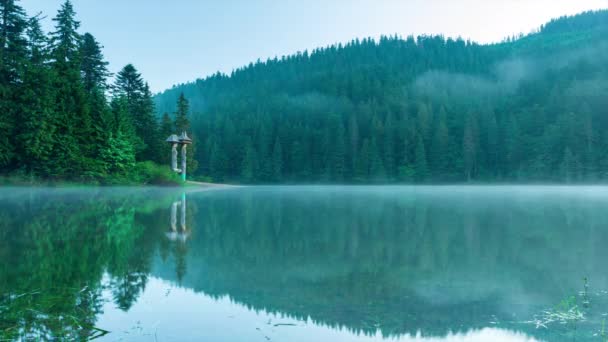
424, 109
408, 110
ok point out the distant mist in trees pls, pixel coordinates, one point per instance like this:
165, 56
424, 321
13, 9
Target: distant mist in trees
413, 110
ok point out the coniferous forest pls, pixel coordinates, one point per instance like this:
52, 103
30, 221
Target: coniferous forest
60, 118
533, 108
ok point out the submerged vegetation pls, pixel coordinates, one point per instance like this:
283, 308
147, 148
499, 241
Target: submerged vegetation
425, 109
60, 120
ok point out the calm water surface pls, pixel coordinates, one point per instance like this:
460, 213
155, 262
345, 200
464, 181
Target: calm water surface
304, 264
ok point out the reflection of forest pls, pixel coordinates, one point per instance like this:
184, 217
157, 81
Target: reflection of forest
56, 246
401, 262
429, 262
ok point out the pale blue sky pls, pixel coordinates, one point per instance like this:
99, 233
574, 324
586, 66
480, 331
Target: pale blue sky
177, 41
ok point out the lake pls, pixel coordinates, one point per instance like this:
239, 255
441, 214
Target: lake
317, 263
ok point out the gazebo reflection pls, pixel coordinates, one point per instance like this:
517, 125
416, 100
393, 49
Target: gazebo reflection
181, 233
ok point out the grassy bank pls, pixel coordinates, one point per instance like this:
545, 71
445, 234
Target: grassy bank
143, 173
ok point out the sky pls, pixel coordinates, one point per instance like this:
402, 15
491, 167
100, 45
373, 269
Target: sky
173, 42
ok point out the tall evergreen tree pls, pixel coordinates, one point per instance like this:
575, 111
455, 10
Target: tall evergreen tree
93, 66
35, 135
421, 166
140, 106
72, 120
167, 128
469, 147
13, 58
182, 122
440, 154
277, 161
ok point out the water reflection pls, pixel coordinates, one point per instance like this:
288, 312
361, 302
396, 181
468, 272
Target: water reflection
183, 233
408, 263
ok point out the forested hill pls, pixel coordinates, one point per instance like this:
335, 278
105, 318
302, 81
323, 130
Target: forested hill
425, 109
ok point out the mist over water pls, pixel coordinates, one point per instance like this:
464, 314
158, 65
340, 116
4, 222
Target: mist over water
411, 263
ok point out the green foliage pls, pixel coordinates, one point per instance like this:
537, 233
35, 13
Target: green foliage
151, 173
55, 120
182, 123
446, 110
139, 108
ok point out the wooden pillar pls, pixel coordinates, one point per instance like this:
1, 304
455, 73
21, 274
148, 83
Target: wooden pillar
183, 218
184, 161
174, 158
174, 216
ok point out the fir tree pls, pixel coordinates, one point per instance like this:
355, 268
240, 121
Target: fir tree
36, 133
277, 161
140, 107
13, 58
93, 66
72, 119
421, 167
182, 123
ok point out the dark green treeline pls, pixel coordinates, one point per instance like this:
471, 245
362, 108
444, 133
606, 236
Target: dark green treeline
426, 109
57, 118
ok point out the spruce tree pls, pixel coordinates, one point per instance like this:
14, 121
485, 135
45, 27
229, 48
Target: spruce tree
93, 66
469, 147
440, 153
277, 161
167, 128
13, 59
73, 147
249, 166
140, 107
36, 134
421, 166
182, 123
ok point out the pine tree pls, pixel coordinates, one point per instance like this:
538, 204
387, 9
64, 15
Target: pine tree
363, 162
469, 148
35, 135
421, 167
72, 117
568, 166
13, 58
149, 132
491, 143
140, 106
128, 84
440, 147
376, 168
93, 66
389, 146
277, 161
167, 128
250, 164
182, 123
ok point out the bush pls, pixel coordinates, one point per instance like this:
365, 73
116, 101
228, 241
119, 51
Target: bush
151, 173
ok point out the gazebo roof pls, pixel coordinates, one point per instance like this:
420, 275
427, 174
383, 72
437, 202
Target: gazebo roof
173, 139
184, 139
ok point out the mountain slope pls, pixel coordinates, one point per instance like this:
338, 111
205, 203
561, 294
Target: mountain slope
412, 110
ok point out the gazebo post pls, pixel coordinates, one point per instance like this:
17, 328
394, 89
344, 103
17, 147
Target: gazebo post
184, 162
174, 141
184, 140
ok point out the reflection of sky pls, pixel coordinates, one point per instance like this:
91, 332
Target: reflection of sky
167, 313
